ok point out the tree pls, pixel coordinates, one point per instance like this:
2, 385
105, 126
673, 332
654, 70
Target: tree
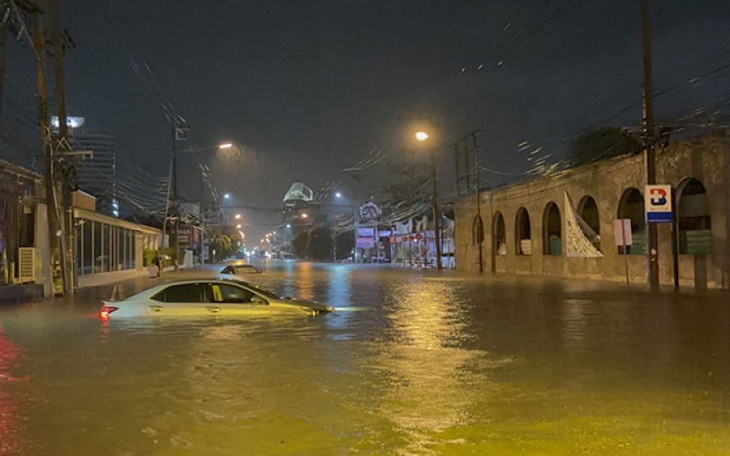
299, 245
222, 246
602, 143
408, 184
344, 242
319, 244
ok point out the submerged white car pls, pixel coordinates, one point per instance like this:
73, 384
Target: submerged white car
238, 270
208, 297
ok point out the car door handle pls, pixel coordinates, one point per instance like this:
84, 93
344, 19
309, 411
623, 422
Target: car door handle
213, 309
156, 308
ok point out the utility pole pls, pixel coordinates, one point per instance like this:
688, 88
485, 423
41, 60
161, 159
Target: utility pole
63, 146
53, 209
175, 208
436, 212
179, 129
4, 26
204, 177
466, 152
480, 235
649, 139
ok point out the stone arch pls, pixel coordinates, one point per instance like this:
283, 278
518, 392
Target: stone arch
523, 232
499, 238
694, 222
588, 211
552, 230
477, 230
631, 206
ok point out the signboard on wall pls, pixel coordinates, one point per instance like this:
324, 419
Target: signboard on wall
658, 203
622, 232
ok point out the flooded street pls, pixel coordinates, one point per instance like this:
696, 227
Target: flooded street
413, 362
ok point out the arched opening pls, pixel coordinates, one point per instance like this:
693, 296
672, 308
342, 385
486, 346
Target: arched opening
588, 211
477, 230
523, 234
631, 206
693, 219
499, 239
552, 230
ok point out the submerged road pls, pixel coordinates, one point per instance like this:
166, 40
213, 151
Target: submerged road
413, 362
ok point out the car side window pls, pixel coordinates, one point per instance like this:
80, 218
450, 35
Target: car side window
188, 292
228, 270
225, 293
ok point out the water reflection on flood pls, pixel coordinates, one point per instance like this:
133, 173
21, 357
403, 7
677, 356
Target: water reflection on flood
11, 428
412, 363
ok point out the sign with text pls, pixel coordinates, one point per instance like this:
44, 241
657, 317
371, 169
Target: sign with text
658, 203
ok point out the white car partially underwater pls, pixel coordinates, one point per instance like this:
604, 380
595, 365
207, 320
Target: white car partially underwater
238, 270
208, 297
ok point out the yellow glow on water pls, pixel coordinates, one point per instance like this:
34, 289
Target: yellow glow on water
305, 281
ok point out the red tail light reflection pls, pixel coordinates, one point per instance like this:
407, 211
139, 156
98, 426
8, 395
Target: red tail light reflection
106, 311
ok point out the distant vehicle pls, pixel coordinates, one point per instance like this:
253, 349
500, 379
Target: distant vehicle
234, 271
208, 297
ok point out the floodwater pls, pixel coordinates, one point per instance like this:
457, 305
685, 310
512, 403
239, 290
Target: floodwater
413, 363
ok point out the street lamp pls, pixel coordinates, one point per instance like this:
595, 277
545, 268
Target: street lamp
179, 133
422, 137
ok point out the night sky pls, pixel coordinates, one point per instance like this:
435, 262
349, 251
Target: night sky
307, 88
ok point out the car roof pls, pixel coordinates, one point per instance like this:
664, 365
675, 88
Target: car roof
160, 286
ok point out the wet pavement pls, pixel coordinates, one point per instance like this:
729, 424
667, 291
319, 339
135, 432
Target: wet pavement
413, 362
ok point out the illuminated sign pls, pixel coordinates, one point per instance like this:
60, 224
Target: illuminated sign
658, 203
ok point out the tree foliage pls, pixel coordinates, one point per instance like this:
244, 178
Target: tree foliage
601, 144
319, 244
221, 247
407, 182
345, 242
299, 245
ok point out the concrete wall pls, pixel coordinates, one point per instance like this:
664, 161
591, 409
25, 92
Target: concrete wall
707, 160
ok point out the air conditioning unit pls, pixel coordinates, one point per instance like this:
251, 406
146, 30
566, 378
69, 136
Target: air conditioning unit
26, 264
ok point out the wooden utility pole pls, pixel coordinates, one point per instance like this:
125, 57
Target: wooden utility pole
649, 139
61, 145
466, 152
436, 211
53, 209
3, 39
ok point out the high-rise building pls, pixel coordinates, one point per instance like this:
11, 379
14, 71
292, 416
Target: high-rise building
97, 175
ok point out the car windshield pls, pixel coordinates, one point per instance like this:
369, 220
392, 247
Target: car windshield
240, 269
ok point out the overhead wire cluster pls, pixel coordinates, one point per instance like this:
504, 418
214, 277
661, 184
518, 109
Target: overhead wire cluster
144, 191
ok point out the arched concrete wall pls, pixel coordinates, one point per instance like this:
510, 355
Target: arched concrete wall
707, 160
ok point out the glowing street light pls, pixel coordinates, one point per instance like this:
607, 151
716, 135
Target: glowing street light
237, 216
227, 196
225, 146
338, 195
238, 227
422, 136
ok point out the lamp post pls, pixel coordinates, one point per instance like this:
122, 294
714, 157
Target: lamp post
423, 137
179, 134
